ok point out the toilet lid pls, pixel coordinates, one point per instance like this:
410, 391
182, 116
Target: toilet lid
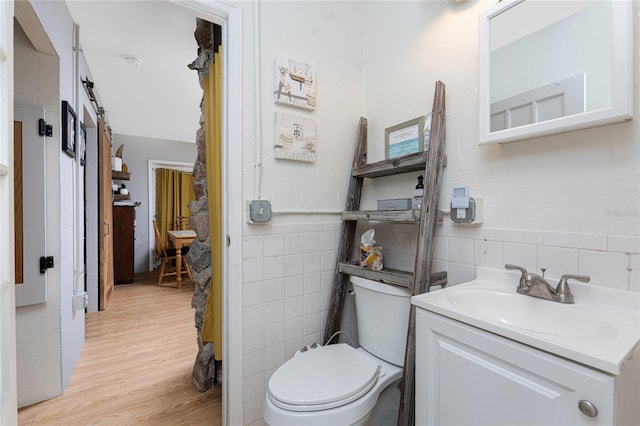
322, 378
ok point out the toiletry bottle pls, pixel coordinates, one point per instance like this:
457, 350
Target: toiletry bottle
416, 202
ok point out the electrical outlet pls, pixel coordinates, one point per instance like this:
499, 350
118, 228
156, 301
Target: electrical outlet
469, 216
461, 213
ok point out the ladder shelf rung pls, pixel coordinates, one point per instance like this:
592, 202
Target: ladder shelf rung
410, 216
395, 166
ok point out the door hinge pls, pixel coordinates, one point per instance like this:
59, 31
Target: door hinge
44, 129
45, 263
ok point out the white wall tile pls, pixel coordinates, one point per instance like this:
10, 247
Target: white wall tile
439, 265
326, 280
253, 363
313, 338
460, 273
273, 245
577, 240
441, 250
312, 282
311, 262
461, 250
328, 241
328, 260
488, 254
293, 286
634, 274
252, 247
293, 264
284, 228
273, 267
311, 303
604, 268
293, 243
252, 293
332, 226
252, 317
325, 299
253, 386
624, 243
252, 270
273, 334
311, 324
293, 329
252, 340
521, 236
557, 261
274, 356
252, 412
273, 290
446, 228
293, 308
311, 242
524, 255
273, 312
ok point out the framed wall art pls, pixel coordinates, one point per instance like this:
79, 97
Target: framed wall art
295, 138
295, 84
68, 129
404, 138
83, 145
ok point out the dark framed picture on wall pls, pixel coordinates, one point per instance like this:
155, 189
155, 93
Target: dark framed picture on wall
83, 144
68, 129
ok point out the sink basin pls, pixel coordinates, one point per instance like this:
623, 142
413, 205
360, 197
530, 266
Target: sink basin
601, 329
534, 315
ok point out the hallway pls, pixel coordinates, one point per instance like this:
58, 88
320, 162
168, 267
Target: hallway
135, 367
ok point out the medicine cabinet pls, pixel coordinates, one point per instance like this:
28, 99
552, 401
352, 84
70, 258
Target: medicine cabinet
550, 67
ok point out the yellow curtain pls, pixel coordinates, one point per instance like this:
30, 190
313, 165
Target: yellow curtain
212, 86
174, 191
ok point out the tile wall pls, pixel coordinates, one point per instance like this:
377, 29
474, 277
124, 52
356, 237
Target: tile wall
288, 271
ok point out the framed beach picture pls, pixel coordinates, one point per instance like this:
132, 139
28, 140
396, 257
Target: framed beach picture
68, 129
295, 84
295, 138
404, 138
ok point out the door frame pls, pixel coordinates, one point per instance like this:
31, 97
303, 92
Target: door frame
229, 16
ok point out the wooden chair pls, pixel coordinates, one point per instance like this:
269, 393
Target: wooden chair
167, 256
182, 222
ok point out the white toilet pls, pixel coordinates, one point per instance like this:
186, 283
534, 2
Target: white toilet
338, 384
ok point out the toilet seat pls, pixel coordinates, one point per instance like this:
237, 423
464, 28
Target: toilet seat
323, 378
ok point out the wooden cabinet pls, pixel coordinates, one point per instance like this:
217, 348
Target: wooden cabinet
465, 375
123, 242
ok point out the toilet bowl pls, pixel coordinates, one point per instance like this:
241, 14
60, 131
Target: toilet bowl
329, 385
339, 384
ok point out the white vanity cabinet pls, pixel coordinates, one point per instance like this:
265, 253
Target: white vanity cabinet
468, 376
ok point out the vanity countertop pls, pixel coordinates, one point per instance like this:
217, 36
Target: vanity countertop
601, 329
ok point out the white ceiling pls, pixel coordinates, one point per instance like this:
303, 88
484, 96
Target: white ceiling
160, 98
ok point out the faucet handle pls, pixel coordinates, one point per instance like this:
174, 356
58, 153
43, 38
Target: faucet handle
522, 270
563, 291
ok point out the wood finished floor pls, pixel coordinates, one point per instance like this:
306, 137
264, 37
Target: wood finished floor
135, 367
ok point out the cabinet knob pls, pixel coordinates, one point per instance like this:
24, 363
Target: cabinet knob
587, 408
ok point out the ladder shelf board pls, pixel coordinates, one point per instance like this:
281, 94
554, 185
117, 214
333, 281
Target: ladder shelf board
405, 164
406, 216
390, 276
120, 175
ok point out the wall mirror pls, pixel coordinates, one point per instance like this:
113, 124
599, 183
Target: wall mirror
550, 67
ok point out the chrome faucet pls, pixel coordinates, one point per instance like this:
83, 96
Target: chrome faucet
535, 285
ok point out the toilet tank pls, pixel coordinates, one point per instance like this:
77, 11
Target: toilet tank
382, 312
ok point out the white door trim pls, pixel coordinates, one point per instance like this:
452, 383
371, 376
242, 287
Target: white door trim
229, 16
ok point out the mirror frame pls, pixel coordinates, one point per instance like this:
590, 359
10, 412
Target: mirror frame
621, 86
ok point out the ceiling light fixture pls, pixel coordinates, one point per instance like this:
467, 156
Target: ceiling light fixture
132, 61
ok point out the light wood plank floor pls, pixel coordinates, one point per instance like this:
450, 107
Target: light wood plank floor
135, 368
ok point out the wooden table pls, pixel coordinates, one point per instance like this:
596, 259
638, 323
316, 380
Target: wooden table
180, 239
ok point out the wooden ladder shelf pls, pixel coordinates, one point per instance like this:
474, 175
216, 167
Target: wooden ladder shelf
422, 278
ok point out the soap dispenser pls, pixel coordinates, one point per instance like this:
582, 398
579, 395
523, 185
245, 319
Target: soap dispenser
416, 202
